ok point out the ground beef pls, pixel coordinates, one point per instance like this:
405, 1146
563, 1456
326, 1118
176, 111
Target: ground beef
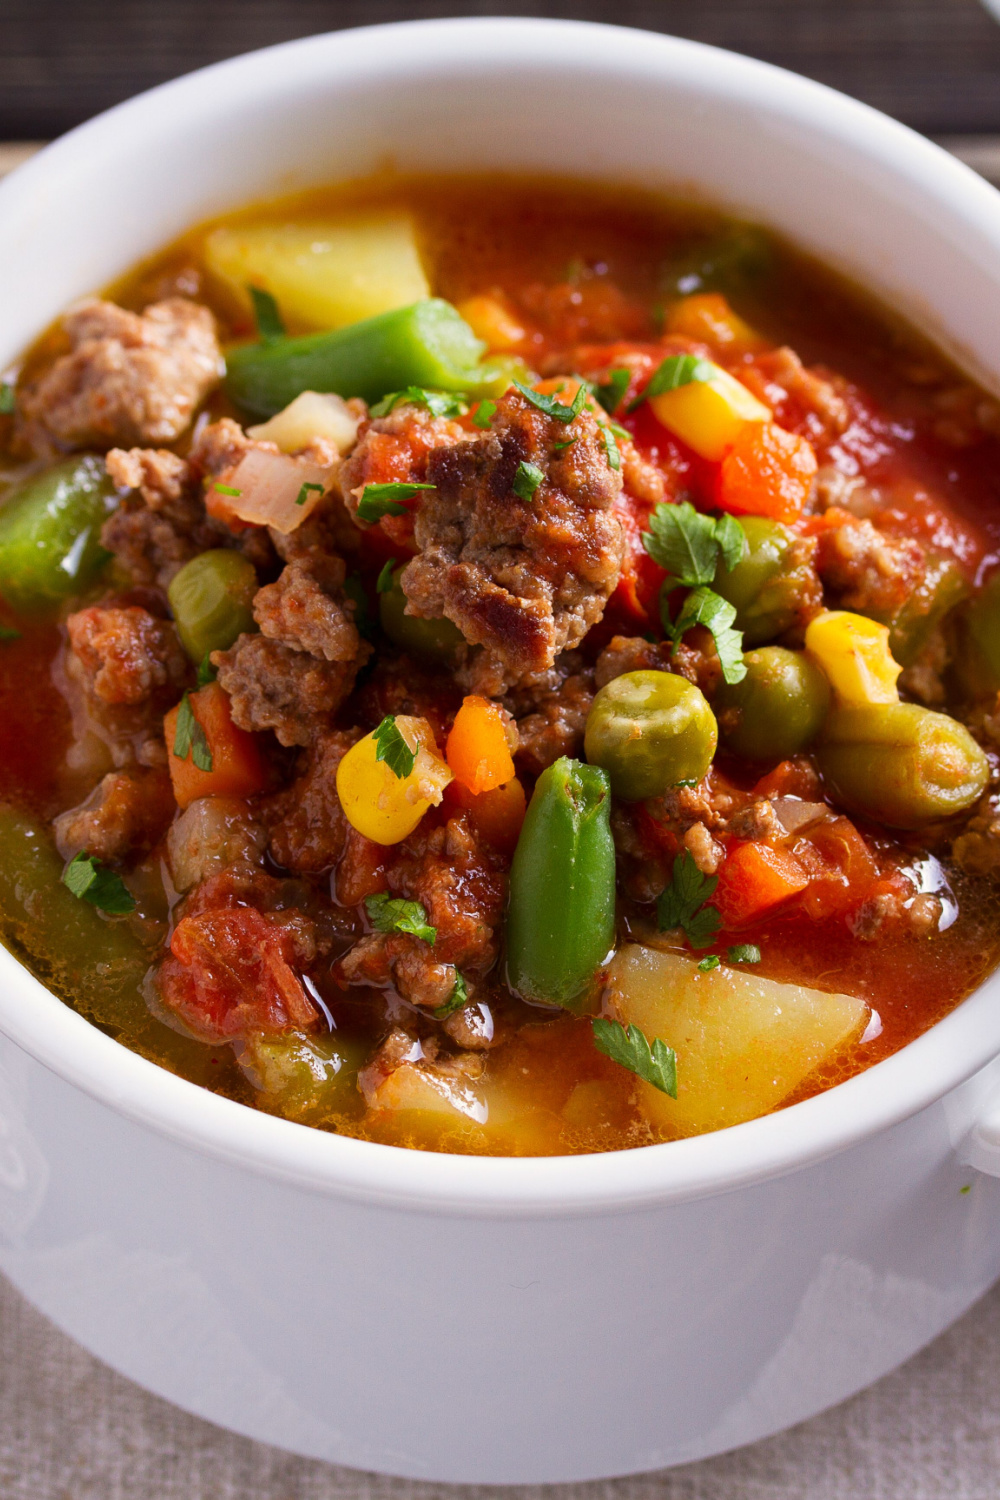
400, 685
977, 848
211, 834
555, 727
396, 449
801, 397
162, 524
309, 834
124, 655
523, 579
271, 686
695, 658
648, 836
307, 609
126, 814
127, 378
867, 571
407, 1073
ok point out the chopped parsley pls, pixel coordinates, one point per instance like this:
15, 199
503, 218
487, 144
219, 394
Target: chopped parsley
682, 904
89, 880
394, 914
393, 749
675, 371
305, 491
383, 582
8, 399
268, 319
206, 672
703, 607
526, 480
484, 414
611, 448
688, 544
8, 633
190, 739
378, 500
438, 403
227, 489
551, 406
566, 443
355, 591
656, 1064
744, 953
458, 998
610, 393
711, 962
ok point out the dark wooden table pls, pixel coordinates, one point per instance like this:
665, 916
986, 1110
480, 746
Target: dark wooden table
933, 63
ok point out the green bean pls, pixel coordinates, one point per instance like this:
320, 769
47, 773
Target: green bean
779, 707
977, 642
427, 344
212, 599
50, 532
937, 594
768, 585
650, 731
432, 640
561, 915
901, 764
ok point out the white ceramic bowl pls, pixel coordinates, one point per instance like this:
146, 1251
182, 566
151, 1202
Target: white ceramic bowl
449, 1317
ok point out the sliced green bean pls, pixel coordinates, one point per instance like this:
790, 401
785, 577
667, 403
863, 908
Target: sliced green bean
212, 599
779, 707
50, 532
650, 731
431, 640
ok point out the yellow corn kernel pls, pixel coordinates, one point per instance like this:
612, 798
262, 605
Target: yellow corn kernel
378, 803
708, 317
491, 322
854, 653
709, 414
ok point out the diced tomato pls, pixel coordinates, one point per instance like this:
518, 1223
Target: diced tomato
767, 472
238, 769
841, 867
753, 879
791, 778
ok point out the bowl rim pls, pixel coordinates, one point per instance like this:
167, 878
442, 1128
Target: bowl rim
802, 1134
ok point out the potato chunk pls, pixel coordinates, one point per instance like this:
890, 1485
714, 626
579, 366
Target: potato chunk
743, 1043
324, 274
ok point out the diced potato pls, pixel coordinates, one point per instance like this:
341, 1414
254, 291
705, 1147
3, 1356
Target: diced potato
854, 653
743, 1043
708, 317
314, 414
709, 414
324, 274
416, 1086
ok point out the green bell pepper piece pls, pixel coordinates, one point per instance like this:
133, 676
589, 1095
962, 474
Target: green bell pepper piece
50, 532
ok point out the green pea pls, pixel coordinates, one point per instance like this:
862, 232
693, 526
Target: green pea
50, 532
561, 913
977, 642
766, 587
901, 764
432, 640
212, 599
779, 707
650, 731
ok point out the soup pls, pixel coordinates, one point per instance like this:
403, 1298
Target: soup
498, 666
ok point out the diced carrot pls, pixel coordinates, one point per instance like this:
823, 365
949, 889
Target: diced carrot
767, 472
496, 815
707, 316
477, 751
755, 878
238, 769
841, 868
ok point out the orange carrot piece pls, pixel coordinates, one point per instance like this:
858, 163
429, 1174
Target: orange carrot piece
496, 815
755, 878
767, 472
707, 317
477, 750
238, 769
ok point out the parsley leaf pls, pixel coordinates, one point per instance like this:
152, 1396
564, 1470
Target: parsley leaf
611, 392
394, 914
265, 310
190, 739
393, 749
744, 953
383, 582
703, 607
378, 500
206, 672
611, 448
656, 1064
484, 414
8, 633
682, 903
675, 371
567, 443
455, 1001
8, 399
227, 489
687, 544
304, 492
551, 406
355, 591
438, 403
711, 962
526, 480
89, 880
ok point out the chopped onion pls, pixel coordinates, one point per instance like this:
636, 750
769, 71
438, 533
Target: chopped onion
268, 489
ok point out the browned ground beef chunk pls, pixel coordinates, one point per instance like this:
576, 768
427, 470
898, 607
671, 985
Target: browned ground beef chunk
404, 1068
211, 833
555, 727
461, 886
309, 835
127, 813
816, 402
126, 655
523, 579
977, 848
695, 658
868, 571
394, 449
306, 609
162, 524
128, 378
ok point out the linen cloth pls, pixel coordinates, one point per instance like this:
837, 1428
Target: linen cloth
71, 1429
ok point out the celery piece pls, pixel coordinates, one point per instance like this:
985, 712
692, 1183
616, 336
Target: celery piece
50, 532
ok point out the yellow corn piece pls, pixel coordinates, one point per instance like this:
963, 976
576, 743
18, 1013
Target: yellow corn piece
491, 322
378, 803
708, 317
854, 653
708, 415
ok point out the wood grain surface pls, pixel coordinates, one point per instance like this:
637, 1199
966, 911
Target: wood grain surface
933, 63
